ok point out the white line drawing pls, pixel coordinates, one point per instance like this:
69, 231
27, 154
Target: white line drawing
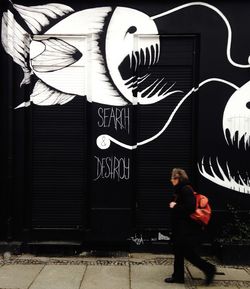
53, 58
162, 237
44, 95
137, 240
223, 17
225, 179
56, 53
38, 17
39, 53
122, 38
104, 141
16, 41
236, 117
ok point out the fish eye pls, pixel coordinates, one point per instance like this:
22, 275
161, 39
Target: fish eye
131, 30
248, 105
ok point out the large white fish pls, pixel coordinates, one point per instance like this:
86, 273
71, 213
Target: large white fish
84, 54
236, 117
95, 53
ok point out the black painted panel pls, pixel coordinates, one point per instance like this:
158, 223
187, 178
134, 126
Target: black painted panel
174, 147
59, 166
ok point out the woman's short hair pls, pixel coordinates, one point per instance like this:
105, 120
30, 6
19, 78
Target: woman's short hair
179, 174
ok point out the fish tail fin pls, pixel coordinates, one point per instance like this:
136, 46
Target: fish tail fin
44, 95
16, 41
16, 38
23, 104
39, 17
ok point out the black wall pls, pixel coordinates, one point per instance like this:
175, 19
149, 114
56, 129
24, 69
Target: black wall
49, 157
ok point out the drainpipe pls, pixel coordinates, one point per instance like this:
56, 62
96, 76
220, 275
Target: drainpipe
10, 131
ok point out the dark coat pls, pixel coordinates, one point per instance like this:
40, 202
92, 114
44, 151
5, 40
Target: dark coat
184, 229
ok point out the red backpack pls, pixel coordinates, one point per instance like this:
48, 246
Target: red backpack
203, 210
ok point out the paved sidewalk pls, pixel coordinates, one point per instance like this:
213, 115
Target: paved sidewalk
137, 271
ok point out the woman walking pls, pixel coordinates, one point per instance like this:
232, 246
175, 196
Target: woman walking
186, 233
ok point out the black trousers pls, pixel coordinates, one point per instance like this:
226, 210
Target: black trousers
189, 252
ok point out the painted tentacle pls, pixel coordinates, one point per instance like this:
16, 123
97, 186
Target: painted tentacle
223, 17
104, 141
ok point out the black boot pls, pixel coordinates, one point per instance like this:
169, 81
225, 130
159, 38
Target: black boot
174, 280
210, 275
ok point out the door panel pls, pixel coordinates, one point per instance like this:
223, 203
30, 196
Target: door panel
174, 146
110, 192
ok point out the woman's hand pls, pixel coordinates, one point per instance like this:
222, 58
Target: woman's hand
172, 205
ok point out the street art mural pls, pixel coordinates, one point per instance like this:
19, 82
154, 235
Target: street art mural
109, 41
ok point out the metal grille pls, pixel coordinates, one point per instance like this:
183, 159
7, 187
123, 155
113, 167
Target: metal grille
58, 165
173, 148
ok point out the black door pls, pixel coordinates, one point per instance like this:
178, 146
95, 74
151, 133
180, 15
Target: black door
58, 171
174, 144
106, 194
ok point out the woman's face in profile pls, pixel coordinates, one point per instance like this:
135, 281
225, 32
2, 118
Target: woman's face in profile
174, 181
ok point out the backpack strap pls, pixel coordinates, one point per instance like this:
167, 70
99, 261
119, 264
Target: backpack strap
195, 193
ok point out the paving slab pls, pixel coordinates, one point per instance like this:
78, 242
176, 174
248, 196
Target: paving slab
150, 257
18, 276
59, 277
218, 286
222, 274
31, 257
152, 276
144, 256
106, 277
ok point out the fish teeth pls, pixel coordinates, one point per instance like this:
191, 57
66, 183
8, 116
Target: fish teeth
157, 52
225, 177
159, 81
144, 56
152, 55
236, 137
136, 59
143, 78
156, 89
